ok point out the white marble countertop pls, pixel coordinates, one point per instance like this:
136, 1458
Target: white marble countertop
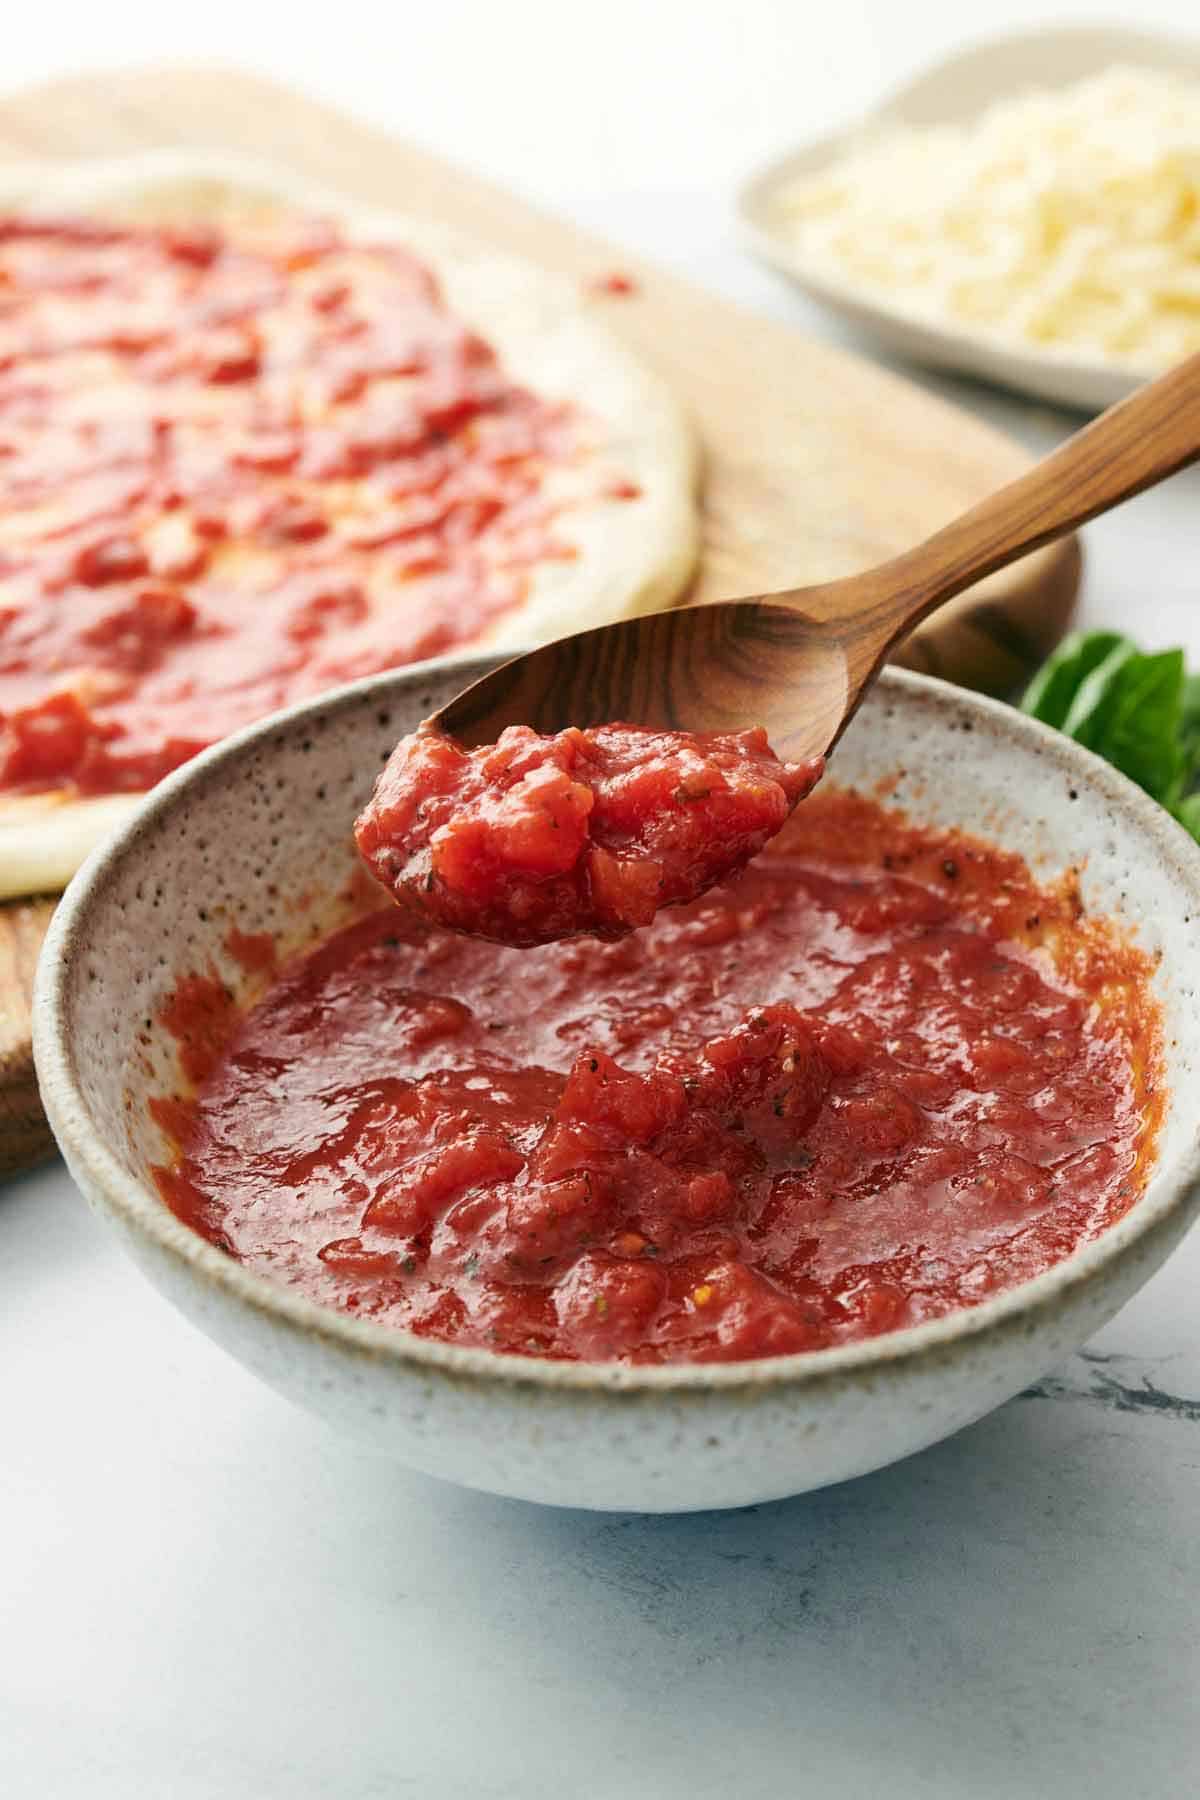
203, 1594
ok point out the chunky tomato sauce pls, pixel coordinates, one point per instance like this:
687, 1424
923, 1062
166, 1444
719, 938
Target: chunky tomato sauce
234, 472
847, 1092
536, 838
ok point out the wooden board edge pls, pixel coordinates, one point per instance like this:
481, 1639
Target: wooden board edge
25, 1136
996, 649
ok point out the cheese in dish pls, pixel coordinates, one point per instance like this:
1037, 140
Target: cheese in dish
251, 447
1064, 220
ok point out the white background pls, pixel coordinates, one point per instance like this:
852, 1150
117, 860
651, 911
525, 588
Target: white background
562, 99
202, 1594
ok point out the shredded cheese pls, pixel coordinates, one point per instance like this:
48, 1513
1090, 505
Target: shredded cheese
1068, 220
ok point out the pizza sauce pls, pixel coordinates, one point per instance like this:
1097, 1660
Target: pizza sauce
537, 838
879, 1076
236, 471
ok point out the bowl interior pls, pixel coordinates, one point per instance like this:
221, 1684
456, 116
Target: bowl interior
255, 837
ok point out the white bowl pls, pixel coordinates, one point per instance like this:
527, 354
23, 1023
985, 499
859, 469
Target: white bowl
255, 822
955, 92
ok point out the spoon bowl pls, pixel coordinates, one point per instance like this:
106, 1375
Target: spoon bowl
778, 668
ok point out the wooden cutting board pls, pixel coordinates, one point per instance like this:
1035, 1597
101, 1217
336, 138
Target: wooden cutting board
818, 463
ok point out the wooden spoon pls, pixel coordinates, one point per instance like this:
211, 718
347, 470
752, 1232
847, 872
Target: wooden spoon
800, 662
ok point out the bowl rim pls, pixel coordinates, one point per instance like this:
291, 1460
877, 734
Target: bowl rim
143, 1214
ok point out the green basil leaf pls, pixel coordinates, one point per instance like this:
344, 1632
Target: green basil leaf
1128, 711
1052, 690
1188, 814
1095, 699
1189, 728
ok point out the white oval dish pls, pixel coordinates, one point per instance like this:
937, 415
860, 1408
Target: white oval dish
953, 93
240, 832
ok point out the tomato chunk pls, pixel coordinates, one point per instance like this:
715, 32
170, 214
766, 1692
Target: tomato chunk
534, 838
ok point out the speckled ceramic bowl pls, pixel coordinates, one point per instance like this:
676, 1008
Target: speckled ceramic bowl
264, 819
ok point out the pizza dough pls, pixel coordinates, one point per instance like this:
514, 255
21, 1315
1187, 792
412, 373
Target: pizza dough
632, 554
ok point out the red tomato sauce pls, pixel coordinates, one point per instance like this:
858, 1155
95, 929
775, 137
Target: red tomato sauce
534, 839
616, 282
234, 472
849, 1091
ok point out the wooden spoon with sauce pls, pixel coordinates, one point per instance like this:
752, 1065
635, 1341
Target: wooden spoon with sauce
799, 662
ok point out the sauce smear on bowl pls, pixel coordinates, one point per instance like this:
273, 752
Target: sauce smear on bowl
879, 1076
532, 839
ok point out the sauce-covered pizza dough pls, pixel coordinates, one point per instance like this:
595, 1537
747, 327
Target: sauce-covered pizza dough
251, 447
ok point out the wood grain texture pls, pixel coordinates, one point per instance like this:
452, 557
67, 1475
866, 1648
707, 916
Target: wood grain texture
24, 1135
819, 465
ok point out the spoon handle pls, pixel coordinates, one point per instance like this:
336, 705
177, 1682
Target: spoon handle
1134, 444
